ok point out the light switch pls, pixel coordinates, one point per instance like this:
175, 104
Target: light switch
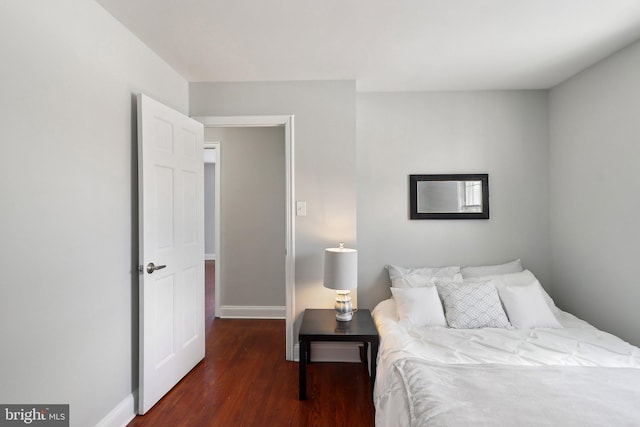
301, 208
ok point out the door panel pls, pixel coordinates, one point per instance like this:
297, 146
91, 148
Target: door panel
171, 205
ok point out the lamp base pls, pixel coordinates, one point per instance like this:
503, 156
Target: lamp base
344, 317
344, 307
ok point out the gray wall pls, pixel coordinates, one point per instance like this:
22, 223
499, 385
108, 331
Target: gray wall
325, 172
68, 217
595, 151
504, 134
209, 208
252, 214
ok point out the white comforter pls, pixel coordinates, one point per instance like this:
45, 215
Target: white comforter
577, 344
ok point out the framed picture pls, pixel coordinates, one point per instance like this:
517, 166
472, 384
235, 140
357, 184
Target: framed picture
452, 196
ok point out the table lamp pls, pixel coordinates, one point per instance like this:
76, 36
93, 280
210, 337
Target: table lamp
341, 274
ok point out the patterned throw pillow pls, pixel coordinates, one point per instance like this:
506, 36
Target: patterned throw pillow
472, 306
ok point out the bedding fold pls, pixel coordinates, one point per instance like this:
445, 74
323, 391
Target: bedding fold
505, 395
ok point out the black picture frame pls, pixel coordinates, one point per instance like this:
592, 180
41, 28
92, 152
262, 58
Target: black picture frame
416, 213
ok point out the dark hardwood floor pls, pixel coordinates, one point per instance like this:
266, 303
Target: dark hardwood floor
245, 380
209, 290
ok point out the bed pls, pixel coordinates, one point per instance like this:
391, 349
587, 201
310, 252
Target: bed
543, 367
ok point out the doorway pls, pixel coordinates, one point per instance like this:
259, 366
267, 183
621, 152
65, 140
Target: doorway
211, 225
288, 251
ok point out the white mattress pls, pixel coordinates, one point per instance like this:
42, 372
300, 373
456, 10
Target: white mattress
577, 344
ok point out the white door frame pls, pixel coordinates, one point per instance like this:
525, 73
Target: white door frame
216, 214
288, 123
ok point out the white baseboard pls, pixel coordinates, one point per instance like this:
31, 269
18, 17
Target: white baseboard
331, 352
209, 257
252, 312
122, 414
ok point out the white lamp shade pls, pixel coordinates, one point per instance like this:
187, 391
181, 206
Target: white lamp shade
340, 268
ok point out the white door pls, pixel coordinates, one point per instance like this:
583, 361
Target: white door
171, 210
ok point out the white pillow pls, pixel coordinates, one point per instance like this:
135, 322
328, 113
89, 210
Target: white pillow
526, 307
516, 279
514, 266
418, 307
406, 277
472, 306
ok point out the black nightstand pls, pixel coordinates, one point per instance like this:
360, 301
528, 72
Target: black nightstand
321, 325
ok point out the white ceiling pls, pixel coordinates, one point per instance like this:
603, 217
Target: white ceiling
385, 45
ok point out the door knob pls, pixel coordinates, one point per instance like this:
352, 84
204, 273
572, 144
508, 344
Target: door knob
151, 267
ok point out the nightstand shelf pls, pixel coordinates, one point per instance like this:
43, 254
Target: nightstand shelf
321, 325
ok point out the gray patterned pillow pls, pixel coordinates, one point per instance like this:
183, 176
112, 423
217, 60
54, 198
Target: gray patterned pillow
472, 305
